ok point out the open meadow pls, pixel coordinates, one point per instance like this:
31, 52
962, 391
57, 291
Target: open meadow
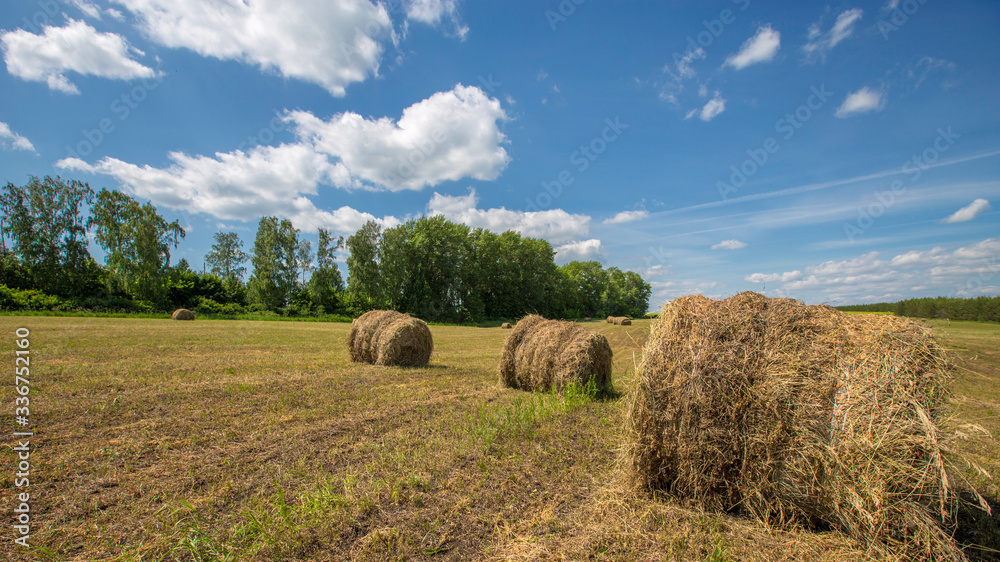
241, 440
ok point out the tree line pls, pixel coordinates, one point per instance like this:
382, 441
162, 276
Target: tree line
981, 309
429, 267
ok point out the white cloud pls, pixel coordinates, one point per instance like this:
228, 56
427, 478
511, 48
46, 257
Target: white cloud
967, 271
332, 44
820, 43
88, 8
713, 108
729, 245
761, 278
760, 48
433, 12
9, 140
862, 101
449, 136
555, 225
680, 71
969, 212
584, 250
627, 216
78, 48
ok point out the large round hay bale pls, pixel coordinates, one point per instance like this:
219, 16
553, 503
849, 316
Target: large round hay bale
547, 355
796, 414
506, 326
621, 321
182, 314
610, 320
387, 337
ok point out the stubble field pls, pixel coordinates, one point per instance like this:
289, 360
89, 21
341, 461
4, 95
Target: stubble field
238, 440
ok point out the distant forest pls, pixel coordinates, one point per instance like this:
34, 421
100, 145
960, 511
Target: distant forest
430, 267
981, 309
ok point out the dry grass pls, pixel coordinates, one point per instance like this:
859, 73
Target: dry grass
387, 337
182, 314
545, 355
217, 440
798, 415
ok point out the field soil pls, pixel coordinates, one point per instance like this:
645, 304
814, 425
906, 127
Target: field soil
241, 440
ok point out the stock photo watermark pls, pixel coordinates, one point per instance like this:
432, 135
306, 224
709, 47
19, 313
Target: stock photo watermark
121, 107
899, 17
786, 126
913, 168
581, 160
22, 438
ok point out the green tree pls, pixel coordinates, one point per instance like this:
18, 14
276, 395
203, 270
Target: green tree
264, 286
588, 282
137, 242
363, 282
44, 221
326, 282
227, 257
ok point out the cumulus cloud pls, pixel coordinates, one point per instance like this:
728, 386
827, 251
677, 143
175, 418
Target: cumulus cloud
332, 44
760, 48
449, 136
862, 101
729, 245
820, 43
713, 108
584, 250
969, 212
9, 140
78, 48
555, 225
627, 216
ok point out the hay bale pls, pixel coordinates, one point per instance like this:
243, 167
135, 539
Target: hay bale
547, 355
799, 415
182, 314
506, 326
621, 321
586, 318
387, 337
611, 320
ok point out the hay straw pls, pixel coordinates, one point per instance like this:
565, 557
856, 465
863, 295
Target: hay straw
547, 355
387, 337
182, 314
798, 415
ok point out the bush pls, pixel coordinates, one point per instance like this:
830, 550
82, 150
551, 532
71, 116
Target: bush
30, 299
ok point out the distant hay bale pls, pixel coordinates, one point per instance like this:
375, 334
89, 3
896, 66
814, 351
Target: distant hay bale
798, 415
611, 320
182, 314
547, 355
621, 321
586, 319
506, 326
387, 337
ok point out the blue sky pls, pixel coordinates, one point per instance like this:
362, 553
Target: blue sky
839, 153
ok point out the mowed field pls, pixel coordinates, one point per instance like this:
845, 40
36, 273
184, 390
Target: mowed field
235, 440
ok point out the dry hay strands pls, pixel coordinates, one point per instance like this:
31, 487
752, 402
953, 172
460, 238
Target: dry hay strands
182, 314
621, 321
798, 415
387, 337
547, 355
506, 326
